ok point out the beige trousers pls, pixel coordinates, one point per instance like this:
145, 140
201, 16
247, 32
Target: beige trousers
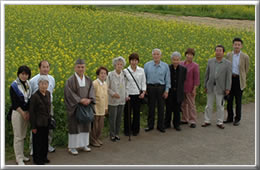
19, 129
188, 107
219, 104
96, 131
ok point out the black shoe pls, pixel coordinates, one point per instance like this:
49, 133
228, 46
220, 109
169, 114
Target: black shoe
148, 129
113, 139
193, 125
161, 130
135, 134
38, 162
236, 123
183, 123
177, 128
228, 121
167, 126
117, 137
46, 161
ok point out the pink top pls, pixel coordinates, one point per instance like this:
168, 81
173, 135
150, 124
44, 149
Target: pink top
192, 76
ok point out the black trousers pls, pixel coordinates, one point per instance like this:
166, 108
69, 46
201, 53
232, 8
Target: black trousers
172, 106
237, 93
135, 104
40, 144
155, 97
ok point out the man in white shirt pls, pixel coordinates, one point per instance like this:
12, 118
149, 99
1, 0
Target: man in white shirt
44, 68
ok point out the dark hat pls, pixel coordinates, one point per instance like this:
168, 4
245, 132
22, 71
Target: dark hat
80, 61
191, 51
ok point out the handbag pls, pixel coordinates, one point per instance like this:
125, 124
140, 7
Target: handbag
85, 114
51, 123
145, 99
226, 97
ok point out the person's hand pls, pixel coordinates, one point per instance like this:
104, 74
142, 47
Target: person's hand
88, 101
85, 101
34, 131
106, 112
27, 116
116, 96
127, 98
227, 92
165, 95
24, 114
141, 96
193, 92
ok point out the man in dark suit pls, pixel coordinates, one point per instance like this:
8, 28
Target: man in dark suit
240, 68
176, 92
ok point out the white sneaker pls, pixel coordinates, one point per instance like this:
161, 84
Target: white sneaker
51, 149
31, 152
20, 163
25, 159
73, 151
86, 149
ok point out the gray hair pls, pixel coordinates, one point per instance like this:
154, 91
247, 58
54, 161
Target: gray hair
43, 78
120, 58
176, 54
157, 49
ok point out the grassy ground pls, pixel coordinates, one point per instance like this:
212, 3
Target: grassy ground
243, 12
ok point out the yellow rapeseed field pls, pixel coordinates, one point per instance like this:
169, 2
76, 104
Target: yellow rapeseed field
61, 34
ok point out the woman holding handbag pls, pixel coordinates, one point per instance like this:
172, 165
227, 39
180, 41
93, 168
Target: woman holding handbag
136, 88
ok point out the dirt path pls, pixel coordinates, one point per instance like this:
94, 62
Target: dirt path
218, 23
234, 145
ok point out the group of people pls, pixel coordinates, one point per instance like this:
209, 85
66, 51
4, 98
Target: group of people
122, 91
32, 103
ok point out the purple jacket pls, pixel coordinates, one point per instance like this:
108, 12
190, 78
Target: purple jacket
192, 76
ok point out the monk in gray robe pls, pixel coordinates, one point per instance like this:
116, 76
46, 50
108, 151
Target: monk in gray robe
78, 89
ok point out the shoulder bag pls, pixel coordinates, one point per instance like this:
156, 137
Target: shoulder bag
85, 114
145, 99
